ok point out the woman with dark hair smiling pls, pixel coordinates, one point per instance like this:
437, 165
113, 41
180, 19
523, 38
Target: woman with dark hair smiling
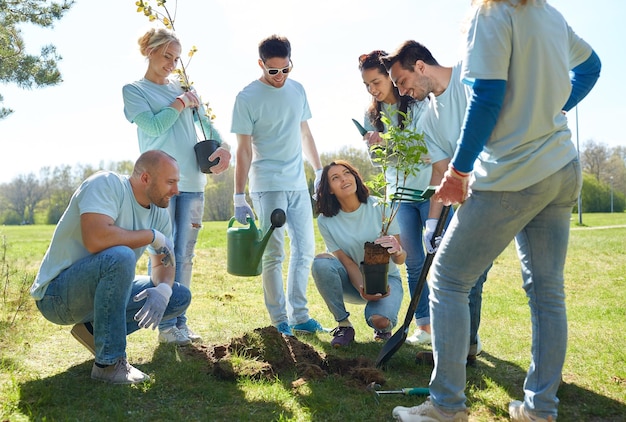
348, 218
403, 111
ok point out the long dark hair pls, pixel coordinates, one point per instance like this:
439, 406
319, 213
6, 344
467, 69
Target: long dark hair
327, 203
372, 61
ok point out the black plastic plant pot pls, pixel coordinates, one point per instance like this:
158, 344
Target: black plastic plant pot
203, 150
375, 278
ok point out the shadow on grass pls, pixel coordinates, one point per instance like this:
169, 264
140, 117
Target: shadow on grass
576, 403
183, 388
178, 390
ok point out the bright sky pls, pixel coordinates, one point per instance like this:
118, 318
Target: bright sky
81, 121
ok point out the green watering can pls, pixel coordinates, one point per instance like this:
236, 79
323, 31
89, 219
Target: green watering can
245, 245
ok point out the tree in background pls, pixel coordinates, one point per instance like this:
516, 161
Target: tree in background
16, 66
21, 200
594, 157
596, 196
358, 157
59, 192
218, 196
22, 196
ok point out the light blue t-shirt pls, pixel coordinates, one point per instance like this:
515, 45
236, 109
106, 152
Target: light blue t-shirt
531, 139
179, 139
103, 193
421, 179
348, 231
443, 120
272, 116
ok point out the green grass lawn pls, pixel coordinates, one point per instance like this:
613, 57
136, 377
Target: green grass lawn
44, 372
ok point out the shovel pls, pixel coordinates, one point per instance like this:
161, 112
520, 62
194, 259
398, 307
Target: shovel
397, 339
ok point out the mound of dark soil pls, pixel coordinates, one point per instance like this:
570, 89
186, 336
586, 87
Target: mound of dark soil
265, 354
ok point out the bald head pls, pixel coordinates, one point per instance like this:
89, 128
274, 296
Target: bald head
151, 161
155, 178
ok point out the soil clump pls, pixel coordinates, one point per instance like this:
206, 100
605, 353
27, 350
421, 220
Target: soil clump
264, 353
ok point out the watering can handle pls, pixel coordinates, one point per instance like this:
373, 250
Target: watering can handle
250, 222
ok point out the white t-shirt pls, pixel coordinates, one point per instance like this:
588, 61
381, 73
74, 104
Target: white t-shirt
444, 118
348, 231
103, 193
179, 140
272, 116
533, 49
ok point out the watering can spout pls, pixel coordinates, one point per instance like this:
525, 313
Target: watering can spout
246, 245
277, 219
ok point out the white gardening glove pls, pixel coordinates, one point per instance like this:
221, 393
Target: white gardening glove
431, 225
316, 182
242, 208
163, 245
152, 311
189, 99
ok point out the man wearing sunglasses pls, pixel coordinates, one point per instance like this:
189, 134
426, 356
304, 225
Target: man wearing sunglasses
270, 120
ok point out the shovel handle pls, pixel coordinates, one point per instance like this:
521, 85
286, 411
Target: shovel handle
417, 391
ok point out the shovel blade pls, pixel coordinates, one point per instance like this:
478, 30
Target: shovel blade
391, 347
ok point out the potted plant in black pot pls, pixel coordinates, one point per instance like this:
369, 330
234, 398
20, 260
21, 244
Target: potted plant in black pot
206, 147
402, 149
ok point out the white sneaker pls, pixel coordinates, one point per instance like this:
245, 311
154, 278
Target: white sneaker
427, 412
174, 335
518, 413
120, 373
195, 338
419, 337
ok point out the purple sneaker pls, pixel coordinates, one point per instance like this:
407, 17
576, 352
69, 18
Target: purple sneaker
342, 336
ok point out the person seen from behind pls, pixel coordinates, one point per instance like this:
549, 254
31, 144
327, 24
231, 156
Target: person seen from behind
516, 174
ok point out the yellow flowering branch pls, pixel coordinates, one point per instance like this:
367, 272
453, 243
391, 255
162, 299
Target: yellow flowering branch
164, 17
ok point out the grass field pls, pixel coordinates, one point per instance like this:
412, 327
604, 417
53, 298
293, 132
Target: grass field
44, 372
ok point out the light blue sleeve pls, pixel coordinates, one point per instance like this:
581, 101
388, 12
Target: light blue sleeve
156, 124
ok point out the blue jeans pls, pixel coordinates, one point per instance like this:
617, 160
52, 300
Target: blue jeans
538, 218
186, 210
333, 283
299, 227
412, 218
100, 289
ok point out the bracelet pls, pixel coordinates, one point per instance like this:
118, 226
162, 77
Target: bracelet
458, 172
181, 101
399, 252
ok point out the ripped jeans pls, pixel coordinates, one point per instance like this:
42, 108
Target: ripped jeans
333, 284
186, 210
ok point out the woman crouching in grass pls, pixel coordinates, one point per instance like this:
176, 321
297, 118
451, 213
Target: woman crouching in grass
348, 218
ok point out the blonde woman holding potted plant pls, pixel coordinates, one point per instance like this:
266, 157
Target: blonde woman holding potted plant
412, 216
163, 111
348, 218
